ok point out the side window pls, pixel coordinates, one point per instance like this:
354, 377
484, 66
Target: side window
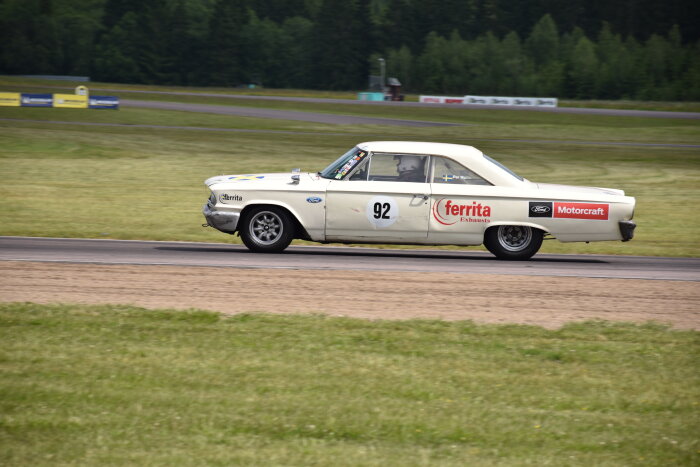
448, 171
398, 167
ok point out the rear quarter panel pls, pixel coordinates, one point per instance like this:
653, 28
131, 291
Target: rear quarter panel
568, 216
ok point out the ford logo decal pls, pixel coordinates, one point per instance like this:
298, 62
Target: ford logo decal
540, 209
313, 199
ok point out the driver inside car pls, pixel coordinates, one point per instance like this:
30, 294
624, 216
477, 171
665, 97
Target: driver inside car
410, 168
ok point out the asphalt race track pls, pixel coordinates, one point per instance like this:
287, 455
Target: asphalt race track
280, 114
223, 255
317, 100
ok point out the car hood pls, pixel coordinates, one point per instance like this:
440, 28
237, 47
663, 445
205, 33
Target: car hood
588, 190
252, 179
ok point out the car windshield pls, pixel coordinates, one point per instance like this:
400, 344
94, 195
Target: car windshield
503, 167
344, 164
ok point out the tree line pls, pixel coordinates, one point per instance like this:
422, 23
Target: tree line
638, 49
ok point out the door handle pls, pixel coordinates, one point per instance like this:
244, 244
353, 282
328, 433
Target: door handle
422, 196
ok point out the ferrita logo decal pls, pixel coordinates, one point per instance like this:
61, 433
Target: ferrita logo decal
449, 212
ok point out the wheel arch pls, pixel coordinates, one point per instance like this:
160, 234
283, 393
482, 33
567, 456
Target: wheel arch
524, 224
299, 229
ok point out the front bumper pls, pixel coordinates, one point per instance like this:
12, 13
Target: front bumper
226, 222
627, 230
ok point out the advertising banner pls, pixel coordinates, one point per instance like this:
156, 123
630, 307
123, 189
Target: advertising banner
546, 101
71, 101
476, 100
37, 100
370, 96
492, 100
523, 101
9, 99
442, 99
500, 100
432, 99
103, 102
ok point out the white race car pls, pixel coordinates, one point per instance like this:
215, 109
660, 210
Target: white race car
398, 192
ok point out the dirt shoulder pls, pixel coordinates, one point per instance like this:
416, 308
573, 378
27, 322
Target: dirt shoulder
484, 298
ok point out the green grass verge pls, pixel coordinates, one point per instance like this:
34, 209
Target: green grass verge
116, 385
127, 182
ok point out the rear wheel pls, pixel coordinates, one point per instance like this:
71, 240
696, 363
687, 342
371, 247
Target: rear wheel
513, 242
267, 229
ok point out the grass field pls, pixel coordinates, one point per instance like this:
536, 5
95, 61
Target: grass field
127, 386
122, 181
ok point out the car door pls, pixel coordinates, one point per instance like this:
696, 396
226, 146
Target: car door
462, 204
377, 203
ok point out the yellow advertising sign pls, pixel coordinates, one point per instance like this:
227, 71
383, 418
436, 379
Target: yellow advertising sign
9, 99
71, 101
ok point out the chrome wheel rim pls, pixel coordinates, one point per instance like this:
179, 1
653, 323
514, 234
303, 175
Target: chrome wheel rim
266, 227
514, 237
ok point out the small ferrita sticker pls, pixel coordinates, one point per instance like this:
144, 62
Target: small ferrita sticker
225, 197
313, 199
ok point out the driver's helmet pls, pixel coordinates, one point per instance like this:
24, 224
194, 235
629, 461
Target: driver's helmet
409, 164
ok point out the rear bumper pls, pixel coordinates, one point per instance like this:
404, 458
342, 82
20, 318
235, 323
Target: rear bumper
627, 230
226, 222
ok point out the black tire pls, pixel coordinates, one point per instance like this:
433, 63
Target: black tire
267, 229
513, 242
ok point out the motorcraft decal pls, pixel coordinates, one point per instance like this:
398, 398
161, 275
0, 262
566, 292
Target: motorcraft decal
562, 210
593, 211
449, 212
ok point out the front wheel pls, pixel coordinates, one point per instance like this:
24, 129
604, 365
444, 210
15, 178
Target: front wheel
513, 242
267, 229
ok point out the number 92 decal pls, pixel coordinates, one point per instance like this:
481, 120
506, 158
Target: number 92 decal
382, 211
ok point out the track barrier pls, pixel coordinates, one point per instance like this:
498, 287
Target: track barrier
80, 100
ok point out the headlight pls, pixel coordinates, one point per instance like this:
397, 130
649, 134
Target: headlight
212, 199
